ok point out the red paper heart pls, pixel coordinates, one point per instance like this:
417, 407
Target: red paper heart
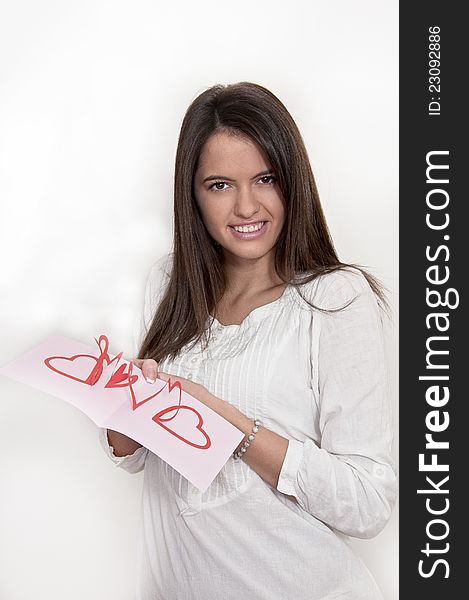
97, 370
158, 419
121, 379
49, 360
169, 383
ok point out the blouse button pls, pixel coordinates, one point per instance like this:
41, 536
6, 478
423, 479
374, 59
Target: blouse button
194, 360
189, 376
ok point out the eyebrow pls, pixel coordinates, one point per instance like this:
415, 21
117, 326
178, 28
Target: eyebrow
212, 177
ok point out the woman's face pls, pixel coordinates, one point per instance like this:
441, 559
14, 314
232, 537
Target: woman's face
238, 196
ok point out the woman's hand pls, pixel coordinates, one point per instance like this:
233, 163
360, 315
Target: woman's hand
267, 453
151, 372
149, 368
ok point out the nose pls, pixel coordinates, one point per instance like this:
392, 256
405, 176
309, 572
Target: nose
246, 204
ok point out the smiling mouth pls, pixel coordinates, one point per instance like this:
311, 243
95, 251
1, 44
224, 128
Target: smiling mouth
249, 232
248, 228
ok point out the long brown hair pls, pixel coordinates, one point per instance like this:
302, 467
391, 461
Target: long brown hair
304, 249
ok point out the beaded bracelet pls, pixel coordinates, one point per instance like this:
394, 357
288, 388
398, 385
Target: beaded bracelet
248, 442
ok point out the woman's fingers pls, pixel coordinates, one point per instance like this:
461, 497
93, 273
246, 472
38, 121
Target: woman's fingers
149, 368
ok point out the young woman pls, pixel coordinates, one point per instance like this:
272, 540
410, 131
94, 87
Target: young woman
258, 318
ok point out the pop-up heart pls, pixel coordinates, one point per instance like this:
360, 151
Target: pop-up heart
184, 425
121, 379
76, 367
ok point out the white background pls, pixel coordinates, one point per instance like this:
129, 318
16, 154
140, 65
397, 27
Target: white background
92, 97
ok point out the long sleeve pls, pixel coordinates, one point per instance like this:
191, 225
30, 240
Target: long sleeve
132, 463
348, 481
154, 288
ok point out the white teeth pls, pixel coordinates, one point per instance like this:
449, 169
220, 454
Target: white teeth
248, 228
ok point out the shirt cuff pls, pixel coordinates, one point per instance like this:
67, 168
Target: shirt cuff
109, 450
291, 464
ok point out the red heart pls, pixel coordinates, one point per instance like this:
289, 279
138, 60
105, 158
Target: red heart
169, 383
48, 361
121, 379
158, 419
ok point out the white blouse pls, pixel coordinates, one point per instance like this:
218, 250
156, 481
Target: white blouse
318, 379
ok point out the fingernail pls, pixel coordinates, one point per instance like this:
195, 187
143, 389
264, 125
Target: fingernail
151, 377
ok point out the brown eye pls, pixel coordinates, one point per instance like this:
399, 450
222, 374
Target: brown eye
217, 183
271, 177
